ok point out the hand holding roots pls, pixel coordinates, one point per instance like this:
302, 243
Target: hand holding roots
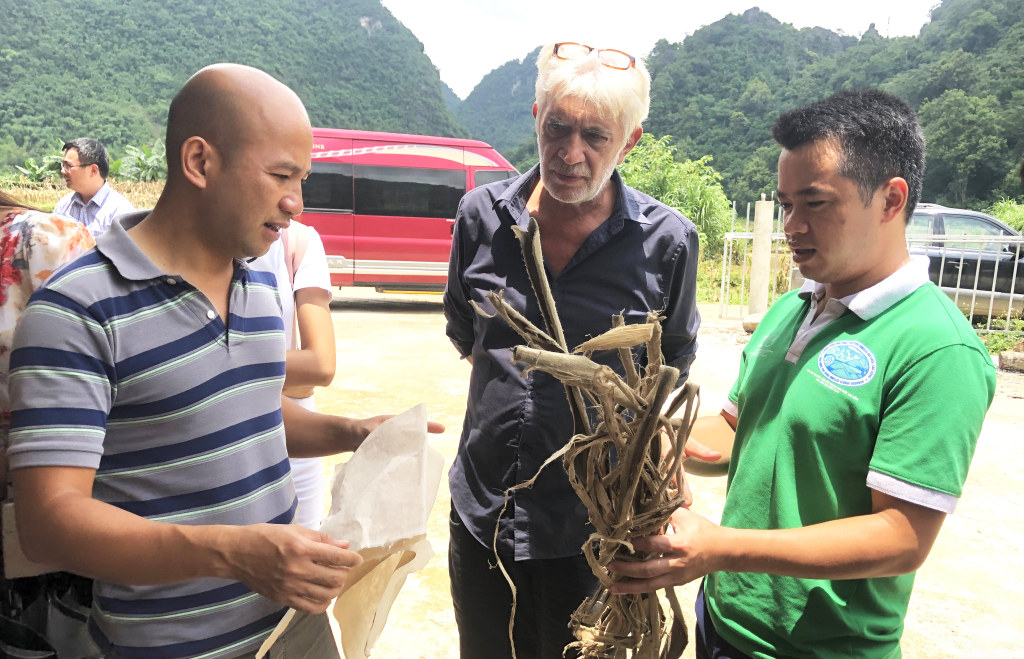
618, 469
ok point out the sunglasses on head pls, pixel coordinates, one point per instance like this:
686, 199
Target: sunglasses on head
613, 59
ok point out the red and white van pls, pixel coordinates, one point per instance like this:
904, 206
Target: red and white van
384, 203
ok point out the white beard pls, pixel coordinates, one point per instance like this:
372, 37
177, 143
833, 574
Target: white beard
595, 186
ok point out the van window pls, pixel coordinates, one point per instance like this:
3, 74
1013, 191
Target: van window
485, 176
409, 191
328, 187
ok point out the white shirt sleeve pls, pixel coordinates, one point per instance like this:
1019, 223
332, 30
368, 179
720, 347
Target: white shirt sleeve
313, 272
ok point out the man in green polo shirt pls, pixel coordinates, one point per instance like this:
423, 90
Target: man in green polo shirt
856, 412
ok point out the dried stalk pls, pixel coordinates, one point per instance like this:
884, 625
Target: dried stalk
619, 337
532, 334
626, 356
618, 470
534, 259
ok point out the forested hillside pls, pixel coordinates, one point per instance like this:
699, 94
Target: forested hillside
719, 90
451, 99
108, 68
498, 110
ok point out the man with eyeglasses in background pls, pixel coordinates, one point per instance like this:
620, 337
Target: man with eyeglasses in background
91, 201
607, 248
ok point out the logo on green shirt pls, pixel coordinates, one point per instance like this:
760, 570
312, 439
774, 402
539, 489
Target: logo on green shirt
848, 363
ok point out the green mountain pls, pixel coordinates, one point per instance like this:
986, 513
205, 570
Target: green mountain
451, 99
108, 68
719, 90
499, 110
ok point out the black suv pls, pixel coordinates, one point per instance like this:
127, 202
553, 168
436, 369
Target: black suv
968, 268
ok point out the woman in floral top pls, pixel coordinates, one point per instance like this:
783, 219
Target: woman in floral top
32, 245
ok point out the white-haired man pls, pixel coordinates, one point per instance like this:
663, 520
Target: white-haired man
607, 248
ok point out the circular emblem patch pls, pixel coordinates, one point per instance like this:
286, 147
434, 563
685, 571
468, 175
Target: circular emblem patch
848, 363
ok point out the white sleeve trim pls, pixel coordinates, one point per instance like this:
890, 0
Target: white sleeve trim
922, 496
730, 407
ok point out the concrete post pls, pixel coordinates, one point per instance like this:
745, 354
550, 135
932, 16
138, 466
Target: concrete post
760, 257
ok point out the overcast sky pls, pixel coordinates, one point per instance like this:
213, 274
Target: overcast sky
466, 39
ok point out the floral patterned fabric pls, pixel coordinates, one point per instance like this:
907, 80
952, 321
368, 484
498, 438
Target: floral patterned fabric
32, 246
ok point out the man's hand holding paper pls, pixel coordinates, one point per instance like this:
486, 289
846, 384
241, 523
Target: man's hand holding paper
381, 500
290, 564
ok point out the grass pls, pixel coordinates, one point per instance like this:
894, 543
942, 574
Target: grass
709, 279
45, 195
997, 342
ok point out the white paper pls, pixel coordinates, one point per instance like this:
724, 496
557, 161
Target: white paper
380, 503
385, 492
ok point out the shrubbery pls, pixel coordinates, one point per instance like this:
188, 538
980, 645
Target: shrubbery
692, 187
139, 163
1009, 211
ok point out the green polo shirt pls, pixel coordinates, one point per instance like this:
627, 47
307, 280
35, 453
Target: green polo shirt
890, 394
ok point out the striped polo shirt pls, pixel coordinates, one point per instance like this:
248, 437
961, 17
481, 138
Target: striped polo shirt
128, 370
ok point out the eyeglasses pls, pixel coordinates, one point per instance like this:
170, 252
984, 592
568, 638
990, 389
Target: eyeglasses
65, 166
613, 59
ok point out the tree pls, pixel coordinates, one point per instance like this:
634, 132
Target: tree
759, 172
756, 97
692, 187
108, 68
719, 90
524, 155
979, 32
964, 134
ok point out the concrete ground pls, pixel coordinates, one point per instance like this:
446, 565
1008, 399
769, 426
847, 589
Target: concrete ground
969, 596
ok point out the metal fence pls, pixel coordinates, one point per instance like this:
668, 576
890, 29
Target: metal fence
735, 256
982, 275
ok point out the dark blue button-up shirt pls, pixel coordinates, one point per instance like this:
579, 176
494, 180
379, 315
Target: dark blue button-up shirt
643, 258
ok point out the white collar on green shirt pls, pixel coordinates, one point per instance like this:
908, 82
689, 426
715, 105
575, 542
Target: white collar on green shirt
873, 301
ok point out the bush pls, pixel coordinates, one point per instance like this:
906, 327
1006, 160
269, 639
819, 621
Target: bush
1009, 211
998, 341
692, 187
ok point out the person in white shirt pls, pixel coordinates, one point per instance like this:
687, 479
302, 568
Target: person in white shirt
299, 262
91, 201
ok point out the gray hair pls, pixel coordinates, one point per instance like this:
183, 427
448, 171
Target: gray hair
90, 152
624, 95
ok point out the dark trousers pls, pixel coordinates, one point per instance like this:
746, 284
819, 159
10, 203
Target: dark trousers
548, 592
709, 644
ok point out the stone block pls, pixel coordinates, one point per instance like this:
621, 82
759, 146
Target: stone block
1011, 360
751, 322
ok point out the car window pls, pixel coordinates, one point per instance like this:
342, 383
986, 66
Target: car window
966, 225
919, 224
408, 191
328, 187
485, 176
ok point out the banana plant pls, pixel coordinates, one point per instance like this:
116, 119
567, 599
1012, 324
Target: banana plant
47, 170
144, 163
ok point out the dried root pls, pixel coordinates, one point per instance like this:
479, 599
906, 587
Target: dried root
618, 470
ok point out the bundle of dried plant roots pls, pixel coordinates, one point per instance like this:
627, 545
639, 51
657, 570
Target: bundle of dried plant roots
618, 469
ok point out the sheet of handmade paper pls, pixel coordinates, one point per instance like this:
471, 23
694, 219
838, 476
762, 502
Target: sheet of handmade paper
381, 500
